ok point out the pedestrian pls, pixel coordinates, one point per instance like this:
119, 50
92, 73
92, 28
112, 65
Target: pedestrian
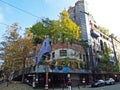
69, 84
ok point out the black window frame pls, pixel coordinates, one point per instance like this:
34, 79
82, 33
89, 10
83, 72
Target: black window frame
63, 52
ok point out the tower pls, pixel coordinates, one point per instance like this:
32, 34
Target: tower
79, 14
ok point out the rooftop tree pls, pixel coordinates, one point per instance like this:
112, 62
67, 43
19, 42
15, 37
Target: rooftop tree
58, 30
69, 30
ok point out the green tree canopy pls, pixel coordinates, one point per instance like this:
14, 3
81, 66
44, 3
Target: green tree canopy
15, 50
104, 30
58, 30
105, 64
69, 29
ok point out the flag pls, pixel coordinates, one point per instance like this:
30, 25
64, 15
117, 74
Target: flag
45, 48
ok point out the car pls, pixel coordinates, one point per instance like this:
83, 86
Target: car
109, 81
98, 83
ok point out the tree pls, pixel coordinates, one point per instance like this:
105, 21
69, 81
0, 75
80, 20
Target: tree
69, 30
106, 65
24, 50
6, 53
104, 30
15, 50
58, 30
41, 29
105, 58
84, 44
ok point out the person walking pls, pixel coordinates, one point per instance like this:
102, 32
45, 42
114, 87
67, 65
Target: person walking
69, 84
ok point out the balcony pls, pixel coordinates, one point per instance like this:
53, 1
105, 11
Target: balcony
94, 34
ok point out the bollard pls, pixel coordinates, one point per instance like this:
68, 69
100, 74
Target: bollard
46, 87
33, 84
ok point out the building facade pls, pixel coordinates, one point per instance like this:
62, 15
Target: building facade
99, 42
79, 14
71, 59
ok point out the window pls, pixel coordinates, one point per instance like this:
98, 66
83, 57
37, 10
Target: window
80, 56
53, 55
63, 52
84, 58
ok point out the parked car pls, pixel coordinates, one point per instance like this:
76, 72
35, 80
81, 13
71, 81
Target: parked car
98, 83
109, 81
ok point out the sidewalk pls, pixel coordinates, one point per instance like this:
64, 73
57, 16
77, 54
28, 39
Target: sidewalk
20, 86
15, 86
74, 88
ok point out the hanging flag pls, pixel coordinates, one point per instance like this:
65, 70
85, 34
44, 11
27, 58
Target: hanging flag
45, 48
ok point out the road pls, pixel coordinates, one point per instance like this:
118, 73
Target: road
20, 86
108, 87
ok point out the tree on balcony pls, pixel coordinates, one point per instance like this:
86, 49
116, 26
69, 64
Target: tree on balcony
105, 65
58, 30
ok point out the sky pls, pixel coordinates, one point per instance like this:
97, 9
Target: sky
27, 12
107, 14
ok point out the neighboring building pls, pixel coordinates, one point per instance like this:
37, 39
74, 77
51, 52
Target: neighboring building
99, 42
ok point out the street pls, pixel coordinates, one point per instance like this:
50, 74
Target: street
108, 87
20, 86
